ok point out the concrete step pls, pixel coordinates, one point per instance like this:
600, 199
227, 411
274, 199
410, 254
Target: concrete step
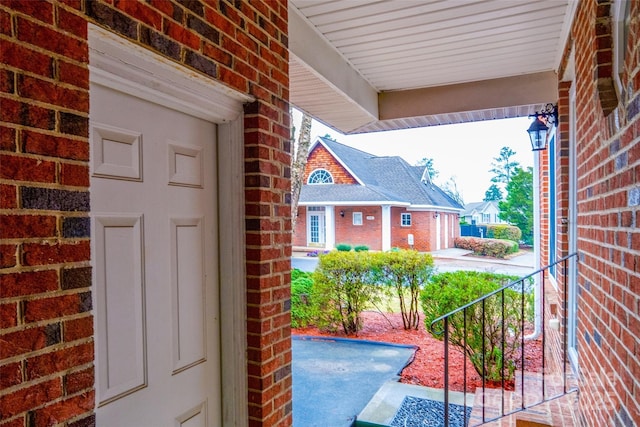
382, 408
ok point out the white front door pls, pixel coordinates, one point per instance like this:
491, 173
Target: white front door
153, 200
316, 228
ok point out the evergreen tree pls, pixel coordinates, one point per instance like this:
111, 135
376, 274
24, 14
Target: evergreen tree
517, 208
494, 193
503, 167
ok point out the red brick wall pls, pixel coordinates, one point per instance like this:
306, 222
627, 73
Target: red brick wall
46, 366
608, 158
300, 236
369, 233
543, 176
422, 227
320, 158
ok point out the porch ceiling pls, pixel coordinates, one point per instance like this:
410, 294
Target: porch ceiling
365, 65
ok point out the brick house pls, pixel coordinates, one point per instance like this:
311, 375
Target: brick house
74, 203
356, 198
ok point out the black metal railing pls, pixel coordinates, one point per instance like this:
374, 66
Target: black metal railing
459, 324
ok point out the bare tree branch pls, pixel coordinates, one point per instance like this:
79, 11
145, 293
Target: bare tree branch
298, 163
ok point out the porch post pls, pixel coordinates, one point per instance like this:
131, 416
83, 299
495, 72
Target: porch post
330, 227
386, 228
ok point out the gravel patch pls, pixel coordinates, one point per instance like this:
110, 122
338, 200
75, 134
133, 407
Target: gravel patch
418, 412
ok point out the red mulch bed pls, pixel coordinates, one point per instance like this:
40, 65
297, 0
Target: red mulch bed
428, 365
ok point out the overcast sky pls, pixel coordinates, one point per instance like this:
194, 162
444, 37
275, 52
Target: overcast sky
464, 151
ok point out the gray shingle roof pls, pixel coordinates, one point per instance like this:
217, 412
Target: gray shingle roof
386, 179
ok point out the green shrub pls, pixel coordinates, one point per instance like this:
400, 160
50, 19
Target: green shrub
343, 247
496, 248
502, 318
302, 309
406, 271
296, 273
361, 248
343, 288
504, 231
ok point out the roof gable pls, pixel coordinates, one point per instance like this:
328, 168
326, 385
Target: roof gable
387, 180
322, 157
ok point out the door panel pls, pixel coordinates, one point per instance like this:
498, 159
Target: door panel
153, 196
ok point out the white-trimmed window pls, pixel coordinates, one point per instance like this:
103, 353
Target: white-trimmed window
621, 24
405, 220
357, 218
320, 176
486, 218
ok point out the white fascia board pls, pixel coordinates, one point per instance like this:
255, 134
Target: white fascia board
433, 208
312, 48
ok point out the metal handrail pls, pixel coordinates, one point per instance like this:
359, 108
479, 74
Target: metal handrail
482, 300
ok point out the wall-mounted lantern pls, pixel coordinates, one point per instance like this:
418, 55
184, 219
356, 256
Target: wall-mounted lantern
542, 123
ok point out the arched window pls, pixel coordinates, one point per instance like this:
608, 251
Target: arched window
320, 176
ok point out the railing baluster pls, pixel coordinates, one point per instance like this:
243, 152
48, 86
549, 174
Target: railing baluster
446, 371
522, 341
503, 358
464, 364
544, 335
482, 300
484, 368
564, 329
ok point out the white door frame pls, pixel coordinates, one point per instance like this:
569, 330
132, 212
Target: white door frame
119, 64
321, 214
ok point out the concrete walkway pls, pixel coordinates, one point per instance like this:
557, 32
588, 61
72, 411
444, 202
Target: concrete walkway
454, 259
523, 259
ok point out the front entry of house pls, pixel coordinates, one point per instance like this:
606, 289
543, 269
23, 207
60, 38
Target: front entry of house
154, 204
317, 226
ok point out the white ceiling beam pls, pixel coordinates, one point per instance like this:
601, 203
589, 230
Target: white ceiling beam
312, 49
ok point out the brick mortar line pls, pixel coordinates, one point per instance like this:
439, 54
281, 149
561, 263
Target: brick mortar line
51, 54
52, 133
45, 295
47, 185
598, 258
24, 357
52, 80
54, 14
43, 157
52, 107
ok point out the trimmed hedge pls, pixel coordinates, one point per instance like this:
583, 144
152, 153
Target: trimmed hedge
504, 231
497, 248
343, 247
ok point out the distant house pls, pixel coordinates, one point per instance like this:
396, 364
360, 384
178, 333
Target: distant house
482, 213
356, 198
